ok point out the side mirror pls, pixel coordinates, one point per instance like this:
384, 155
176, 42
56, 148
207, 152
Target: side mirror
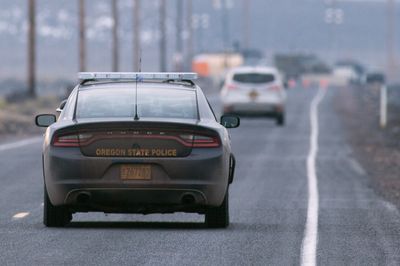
45, 120
229, 121
61, 107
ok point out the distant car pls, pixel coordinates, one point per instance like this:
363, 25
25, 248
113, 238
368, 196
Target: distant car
126, 146
254, 91
344, 75
348, 72
375, 78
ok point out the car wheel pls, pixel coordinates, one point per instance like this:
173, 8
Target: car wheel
54, 216
218, 217
280, 119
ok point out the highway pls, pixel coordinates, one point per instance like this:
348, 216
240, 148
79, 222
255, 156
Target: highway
269, 206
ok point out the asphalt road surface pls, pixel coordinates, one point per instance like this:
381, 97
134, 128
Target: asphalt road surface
269, 204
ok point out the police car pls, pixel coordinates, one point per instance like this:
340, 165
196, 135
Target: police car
137, 143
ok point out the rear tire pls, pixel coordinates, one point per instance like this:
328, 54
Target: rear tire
218, 217
280, 119
54, 216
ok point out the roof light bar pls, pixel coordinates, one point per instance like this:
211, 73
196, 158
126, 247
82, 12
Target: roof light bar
83, 76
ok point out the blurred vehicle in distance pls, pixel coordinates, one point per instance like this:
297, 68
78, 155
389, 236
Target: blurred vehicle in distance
347, 72
293, 66
375, 78
343, 75
254, 91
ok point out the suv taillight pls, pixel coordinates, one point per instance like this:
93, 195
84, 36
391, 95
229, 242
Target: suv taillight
231, 87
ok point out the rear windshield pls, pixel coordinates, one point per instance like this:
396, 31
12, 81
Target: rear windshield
152, 103
254, 78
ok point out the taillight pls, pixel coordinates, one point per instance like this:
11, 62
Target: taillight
200, 141
231, 87
71, 140
84, 139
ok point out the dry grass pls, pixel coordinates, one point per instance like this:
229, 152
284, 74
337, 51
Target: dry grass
377, 149
18, 118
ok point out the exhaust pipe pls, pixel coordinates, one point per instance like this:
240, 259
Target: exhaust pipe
188, 199
83, 197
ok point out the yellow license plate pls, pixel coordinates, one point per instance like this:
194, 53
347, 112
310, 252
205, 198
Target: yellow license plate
135, 172
253, 95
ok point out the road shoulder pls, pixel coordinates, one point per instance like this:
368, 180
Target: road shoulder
377, 150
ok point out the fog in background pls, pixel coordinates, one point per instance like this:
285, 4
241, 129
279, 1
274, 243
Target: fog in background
276, 26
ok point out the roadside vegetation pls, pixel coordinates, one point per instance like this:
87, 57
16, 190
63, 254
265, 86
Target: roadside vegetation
376, 148
19, 117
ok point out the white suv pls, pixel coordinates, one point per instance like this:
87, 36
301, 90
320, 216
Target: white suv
254, 91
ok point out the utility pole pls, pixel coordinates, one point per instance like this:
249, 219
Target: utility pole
246, 35
391, 39
136, 36
115, 44
189, 43
32, 48
163, 36
334, 16
227, 4
178, 45
82, 36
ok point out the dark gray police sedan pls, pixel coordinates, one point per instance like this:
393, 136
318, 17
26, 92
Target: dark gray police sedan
137, 143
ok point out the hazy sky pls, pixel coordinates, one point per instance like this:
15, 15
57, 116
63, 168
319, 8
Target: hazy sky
276, 26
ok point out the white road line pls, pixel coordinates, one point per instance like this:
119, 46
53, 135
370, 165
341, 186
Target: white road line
18, 144
20, 215
310, 239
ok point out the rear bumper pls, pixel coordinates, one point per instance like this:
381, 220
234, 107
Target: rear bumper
202, 176
141, 200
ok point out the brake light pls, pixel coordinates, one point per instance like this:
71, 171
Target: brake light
71, 140
84, 139
200, 141
231, 87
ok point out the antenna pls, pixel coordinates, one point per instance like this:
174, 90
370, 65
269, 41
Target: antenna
136, 89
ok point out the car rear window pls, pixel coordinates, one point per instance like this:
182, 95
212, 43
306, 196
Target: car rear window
254, 78
152, 103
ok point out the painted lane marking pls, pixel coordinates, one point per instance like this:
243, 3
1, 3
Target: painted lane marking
310, 239
21, 143
20, 215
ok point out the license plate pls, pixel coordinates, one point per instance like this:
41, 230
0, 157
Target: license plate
135, 172
253, 95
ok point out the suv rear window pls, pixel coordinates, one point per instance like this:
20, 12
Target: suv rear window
254, 78
152, 103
